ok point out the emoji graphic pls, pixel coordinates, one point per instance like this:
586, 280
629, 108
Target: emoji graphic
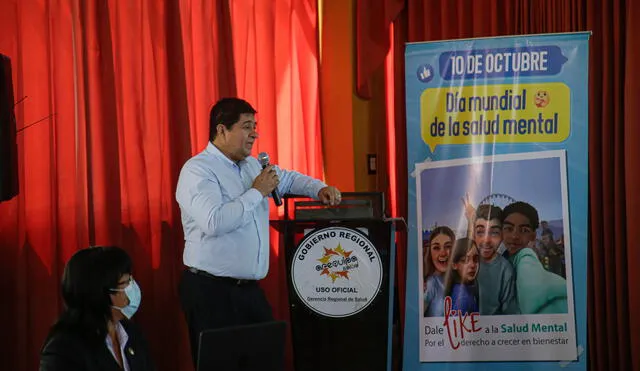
542, 98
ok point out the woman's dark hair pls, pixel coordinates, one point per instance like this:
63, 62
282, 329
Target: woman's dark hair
459, 251
227, 112
87, 281
430, 269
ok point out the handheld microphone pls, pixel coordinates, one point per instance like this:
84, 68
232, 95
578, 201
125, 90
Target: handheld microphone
263, 157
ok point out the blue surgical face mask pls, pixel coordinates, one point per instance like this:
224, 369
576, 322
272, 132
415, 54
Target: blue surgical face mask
134, 295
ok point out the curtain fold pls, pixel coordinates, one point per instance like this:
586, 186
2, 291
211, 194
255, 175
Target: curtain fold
608, 311
123, 90
373, 21
632, 172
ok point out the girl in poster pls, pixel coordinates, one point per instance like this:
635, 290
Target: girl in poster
460, 281
436, 262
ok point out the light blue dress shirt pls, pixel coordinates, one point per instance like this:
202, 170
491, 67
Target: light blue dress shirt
225, 221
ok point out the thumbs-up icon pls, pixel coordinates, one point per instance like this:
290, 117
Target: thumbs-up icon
425, 73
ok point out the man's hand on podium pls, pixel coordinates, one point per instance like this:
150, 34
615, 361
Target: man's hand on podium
330, 196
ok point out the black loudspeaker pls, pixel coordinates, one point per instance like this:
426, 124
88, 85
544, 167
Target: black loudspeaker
8, 148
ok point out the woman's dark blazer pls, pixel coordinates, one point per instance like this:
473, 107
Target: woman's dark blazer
69, 352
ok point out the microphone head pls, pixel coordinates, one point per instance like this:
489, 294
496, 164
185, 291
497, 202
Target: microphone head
263, 158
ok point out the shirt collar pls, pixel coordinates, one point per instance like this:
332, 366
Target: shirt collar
213, 150
123, 337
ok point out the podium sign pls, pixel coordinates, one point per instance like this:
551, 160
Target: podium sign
336, 271
340, 278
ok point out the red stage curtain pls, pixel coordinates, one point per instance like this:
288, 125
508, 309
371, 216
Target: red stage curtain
631, 200
373, 20
123, 89
614, 284
629, 136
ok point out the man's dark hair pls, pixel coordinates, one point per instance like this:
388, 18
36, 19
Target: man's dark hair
89, 277
489, 212
227, 112
522, 208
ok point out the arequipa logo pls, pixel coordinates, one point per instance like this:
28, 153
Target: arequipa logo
336, 271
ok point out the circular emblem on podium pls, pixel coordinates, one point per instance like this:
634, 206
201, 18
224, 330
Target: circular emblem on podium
336, 271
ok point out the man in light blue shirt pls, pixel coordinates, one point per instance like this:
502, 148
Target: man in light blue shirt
223, 197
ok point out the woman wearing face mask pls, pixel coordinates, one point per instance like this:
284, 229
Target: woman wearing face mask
94, 331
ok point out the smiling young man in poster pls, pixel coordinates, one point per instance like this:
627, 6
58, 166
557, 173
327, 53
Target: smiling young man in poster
496, 277
539, 291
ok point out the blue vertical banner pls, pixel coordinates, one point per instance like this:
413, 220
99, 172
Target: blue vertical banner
498, 199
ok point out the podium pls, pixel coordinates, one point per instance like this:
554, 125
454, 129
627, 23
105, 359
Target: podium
340, 272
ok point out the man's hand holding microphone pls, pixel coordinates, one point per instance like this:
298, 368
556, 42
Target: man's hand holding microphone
267, 182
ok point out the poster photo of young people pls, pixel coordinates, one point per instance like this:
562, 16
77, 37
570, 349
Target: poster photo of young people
495, 262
